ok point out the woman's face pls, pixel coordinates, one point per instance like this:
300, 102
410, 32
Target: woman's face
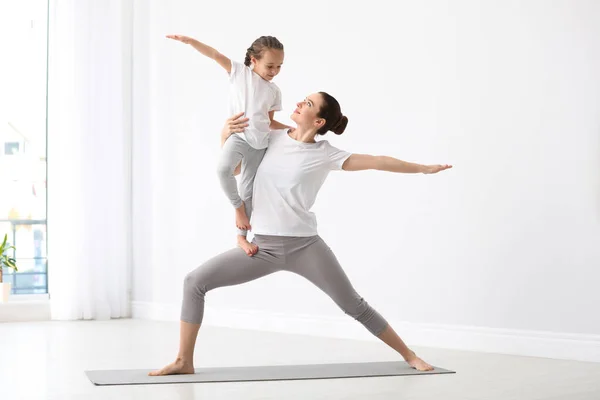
306, 112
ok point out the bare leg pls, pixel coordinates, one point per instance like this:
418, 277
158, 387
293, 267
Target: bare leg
184, 363
389, 337
250, 163
250, 248
242, 221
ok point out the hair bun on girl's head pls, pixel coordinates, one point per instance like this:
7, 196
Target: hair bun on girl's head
340, 127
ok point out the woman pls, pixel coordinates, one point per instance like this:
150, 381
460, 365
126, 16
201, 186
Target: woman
292, 171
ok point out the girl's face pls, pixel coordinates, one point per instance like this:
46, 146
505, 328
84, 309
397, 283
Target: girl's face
306, 111
269, 64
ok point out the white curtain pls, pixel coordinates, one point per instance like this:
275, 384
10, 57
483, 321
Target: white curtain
89, 158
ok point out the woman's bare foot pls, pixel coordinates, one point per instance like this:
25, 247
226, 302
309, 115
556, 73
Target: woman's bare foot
241, 219
417, 363
250, 248
178, 367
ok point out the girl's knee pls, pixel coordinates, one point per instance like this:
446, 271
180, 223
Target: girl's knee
224, 171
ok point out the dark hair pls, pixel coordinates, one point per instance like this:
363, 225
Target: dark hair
331, 112
259, 45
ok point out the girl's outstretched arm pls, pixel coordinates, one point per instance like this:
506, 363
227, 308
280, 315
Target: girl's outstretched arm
206, 50
361, 162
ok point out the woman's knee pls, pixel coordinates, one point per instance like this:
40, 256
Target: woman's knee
363, 312
356, 307
193, 283
359, 309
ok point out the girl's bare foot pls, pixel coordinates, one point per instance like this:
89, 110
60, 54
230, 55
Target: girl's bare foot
418, 364
178, 367
250, 248
241, 219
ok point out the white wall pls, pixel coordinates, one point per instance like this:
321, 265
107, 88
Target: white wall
506, 91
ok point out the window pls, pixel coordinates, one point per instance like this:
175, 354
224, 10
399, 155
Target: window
11, 148
23, 77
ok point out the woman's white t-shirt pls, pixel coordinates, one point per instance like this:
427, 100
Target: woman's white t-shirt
287, 183
251, 94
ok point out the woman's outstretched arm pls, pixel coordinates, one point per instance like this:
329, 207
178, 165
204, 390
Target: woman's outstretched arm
361, 162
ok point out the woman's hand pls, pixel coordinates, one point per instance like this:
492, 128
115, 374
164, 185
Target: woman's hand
234, 124
434, 169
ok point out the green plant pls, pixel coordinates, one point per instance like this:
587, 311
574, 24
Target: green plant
5, 260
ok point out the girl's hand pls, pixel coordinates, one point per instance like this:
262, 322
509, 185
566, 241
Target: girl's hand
181, 38
434, 169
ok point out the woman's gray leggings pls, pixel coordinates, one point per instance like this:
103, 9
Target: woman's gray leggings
309, 257
235, 150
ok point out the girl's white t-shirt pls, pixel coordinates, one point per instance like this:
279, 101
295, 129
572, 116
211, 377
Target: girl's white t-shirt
287, 183
251, 94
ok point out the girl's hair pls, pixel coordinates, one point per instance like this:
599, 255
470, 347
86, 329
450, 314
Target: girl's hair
261, 44
331, 112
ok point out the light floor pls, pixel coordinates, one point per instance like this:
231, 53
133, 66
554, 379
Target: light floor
47, 360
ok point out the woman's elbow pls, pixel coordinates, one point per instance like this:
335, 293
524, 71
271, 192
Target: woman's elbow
378, 163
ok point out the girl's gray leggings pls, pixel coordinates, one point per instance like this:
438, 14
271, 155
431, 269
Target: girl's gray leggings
309, 257
235, 150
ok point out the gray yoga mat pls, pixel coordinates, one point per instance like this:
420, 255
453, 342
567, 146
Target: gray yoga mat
261, 373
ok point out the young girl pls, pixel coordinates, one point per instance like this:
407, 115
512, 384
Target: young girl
253, 93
